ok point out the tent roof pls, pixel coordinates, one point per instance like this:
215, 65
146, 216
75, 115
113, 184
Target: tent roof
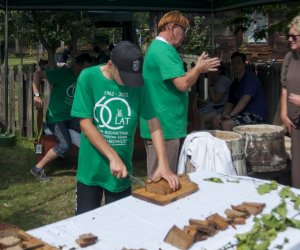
135, 5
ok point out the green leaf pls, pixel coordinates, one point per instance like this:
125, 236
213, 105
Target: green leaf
270, 221
267, 188
243, 246
262, 246
293, 223
281, 210
214, 179
285, 192
297, 202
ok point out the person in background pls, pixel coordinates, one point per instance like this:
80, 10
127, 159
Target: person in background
59, 119
109, 101
168, 85
246, 103
110, 48
290, 96
218, 91
101, 56
62, 59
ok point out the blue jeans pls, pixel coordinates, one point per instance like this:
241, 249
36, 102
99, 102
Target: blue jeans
62, 135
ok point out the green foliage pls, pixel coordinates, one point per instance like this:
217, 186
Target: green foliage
281, 210
286, 193
242, 22
266, 228
18, 27
55, 26
198, 37
214, 179
267, 188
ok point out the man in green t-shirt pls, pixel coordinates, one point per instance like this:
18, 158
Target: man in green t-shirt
168, 85
59, 119
109, 102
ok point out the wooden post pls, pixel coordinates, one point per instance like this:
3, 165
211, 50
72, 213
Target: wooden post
29, 121
19, 79
2, 95
11, 100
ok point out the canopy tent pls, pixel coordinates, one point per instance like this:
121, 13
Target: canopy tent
139, 5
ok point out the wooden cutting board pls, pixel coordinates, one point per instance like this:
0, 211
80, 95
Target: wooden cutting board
187, 187
28, 242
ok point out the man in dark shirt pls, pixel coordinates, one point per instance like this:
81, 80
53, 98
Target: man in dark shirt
246, 103
63, 57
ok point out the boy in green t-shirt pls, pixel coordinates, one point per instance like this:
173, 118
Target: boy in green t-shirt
109, 102
59, 119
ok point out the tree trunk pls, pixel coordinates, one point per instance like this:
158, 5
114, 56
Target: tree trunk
51, 57
17, 46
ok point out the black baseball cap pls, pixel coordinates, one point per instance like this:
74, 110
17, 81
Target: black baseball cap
128, 59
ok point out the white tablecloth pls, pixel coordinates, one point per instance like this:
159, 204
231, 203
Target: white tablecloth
134, 224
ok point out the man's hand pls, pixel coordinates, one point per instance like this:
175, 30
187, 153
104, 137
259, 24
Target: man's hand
205, 64
38, 102
226, 116
288, 124
118, 168
295, 99
168, 175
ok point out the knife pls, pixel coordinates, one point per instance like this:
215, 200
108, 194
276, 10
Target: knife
137, 180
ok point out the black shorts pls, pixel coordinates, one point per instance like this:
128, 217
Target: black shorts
247, 118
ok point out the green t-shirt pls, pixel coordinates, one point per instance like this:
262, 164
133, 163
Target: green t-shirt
115, 112
63, 81
161, 64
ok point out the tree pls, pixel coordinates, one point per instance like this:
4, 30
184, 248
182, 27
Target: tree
18, 29
52, 27
242, 22
198, 37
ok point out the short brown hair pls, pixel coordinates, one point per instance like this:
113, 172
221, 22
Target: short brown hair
173, 17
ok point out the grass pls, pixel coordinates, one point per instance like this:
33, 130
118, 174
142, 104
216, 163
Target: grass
30, 204
13, 60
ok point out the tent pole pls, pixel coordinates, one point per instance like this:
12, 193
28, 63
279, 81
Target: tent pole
6, 64
212, 29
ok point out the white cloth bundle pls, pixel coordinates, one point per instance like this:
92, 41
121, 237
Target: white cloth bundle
206, 153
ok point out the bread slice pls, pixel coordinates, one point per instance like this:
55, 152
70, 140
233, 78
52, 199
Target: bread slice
160, 186
232, 213
252, 208
239, 221
218, 221
9, 241
178, 238
8, 229
197, 235
16, 247
85, 240
191, 230
203, 226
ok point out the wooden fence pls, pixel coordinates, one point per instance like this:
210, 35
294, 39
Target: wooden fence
22, 115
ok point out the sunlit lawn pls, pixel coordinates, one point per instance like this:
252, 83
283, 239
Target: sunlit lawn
12, 60
30, 204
